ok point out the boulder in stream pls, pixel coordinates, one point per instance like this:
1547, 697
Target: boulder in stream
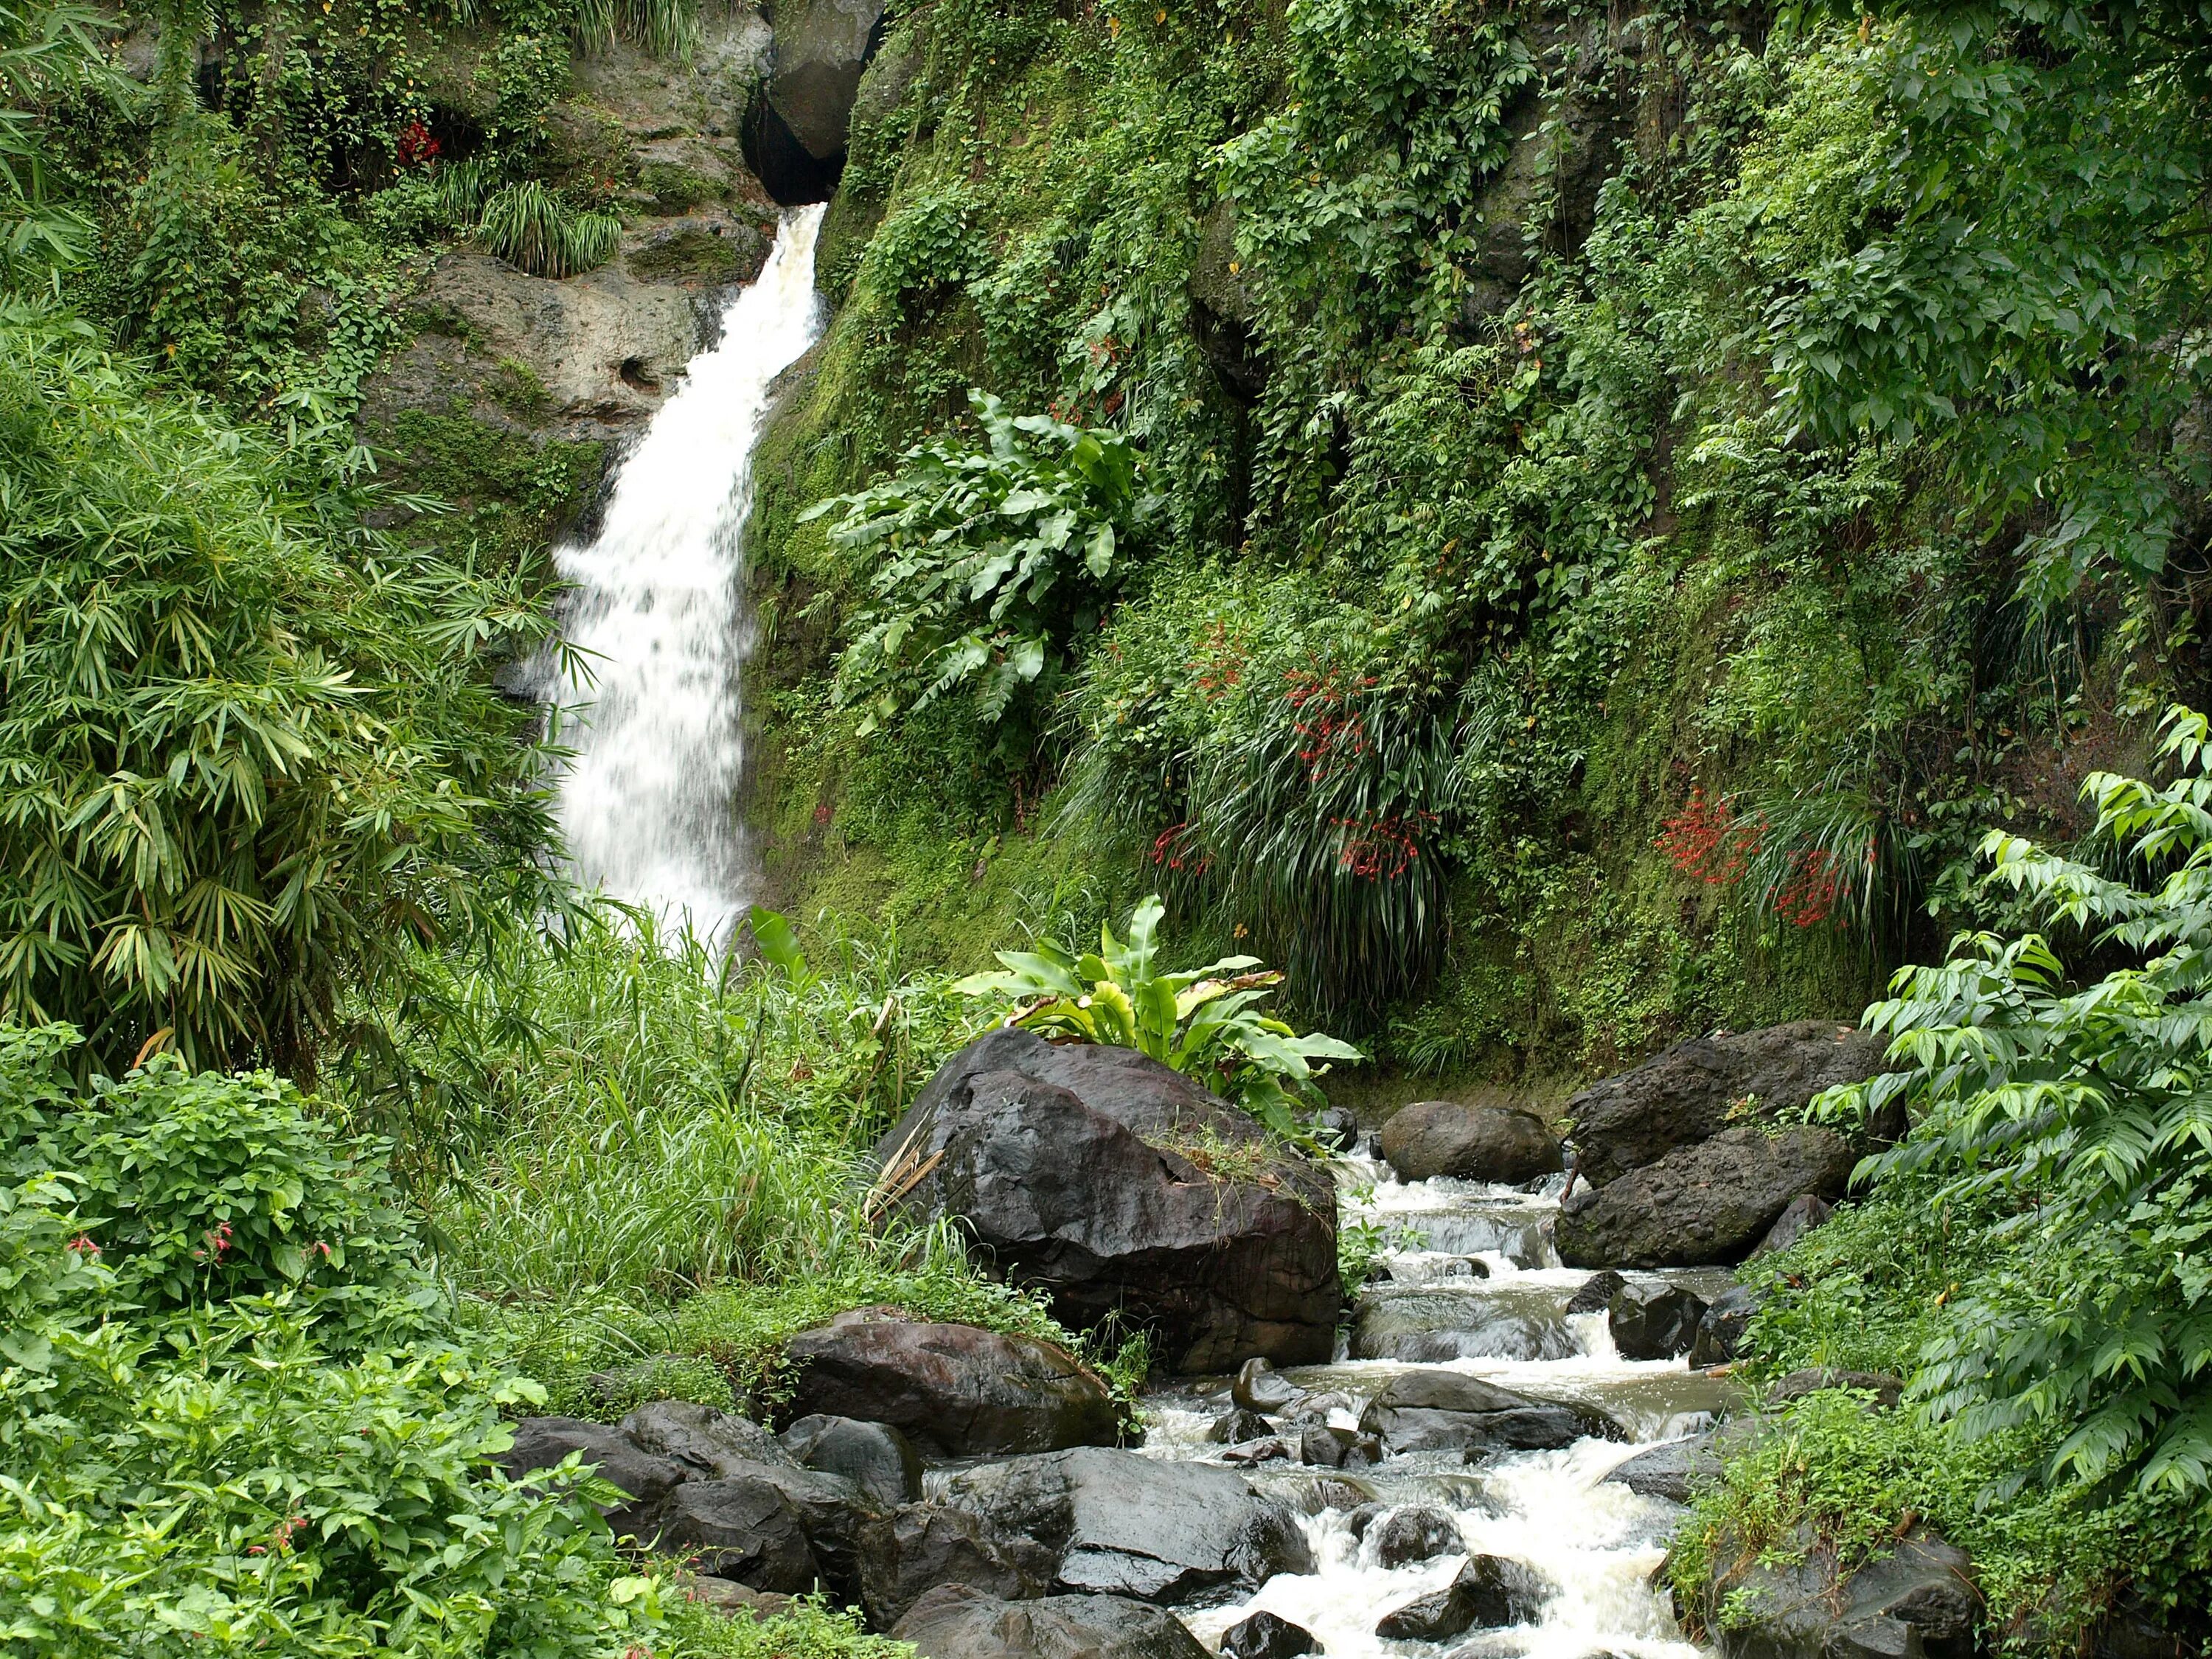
953, 1390
1701, 1205
1235, 1428
1071, 1167
1129, 1525
874, 1456
954, 1622
1670, 1471
1441, 1410
1504, 1144
1695, 1090
1720, 1333
1266, 1635
1807, 1611
906, 1555
1596, 1293
1653, 1321
1261, 1388
1491, 1590
1419, 1532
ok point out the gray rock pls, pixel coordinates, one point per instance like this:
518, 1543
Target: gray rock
1416, 1533
1426, 1324
1235, 1428
1490, 1590
1265, 1636
542, 1442
1060, 1161
1128, 1525
1440, 1410
1338, 1448
1704, 1204
1433, 1138
1720, 1333
1694, 1092
709, 1441
1259, 1388
1653, 1321
954, 1622
1273, 1449
1806, 1212
1886, 1390
953, 1390
906, 1555
1806, 1612
743, 1528
1670, 1471
874, 1456
1595, 1294
1337, 1129
820, 48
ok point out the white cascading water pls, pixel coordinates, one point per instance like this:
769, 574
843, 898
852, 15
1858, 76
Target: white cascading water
648, 804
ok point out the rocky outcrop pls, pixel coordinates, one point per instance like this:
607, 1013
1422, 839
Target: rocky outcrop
956, 1622
1720, 1333
1125, 1524
1805, 1212
1490, 1590
874, 1456
906, 1555
1919, 1600
1266, 1635
743, 1528
1669, 1471
1071, 1169
1441, 1410
953, 1390
1697, 1089
1433, 1138
1701, 1203
797, 121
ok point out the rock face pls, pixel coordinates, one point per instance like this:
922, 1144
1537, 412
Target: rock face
1805, 1212
1694, 1090
876, 1457
1653, 1321
1433, 1138
905, 1556
795, 127
1061, 1161
1669, 1471
743, 1528
956, 1622
1127, 1525
1702, 1204
1446, 1411
1921, 1597
953, 1390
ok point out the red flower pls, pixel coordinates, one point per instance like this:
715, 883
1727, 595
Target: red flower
417, 145
82, 1245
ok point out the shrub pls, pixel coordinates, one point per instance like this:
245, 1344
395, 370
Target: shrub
527, 225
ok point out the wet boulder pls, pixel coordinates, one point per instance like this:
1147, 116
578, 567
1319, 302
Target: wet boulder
1701, 1205
1419, 1532
794, 128
1809, 1611
1266, 1635
953, 1390
1653, 1321
1424, 1324
1261, 1388
1326, 1447
1441, 1410
1596, 1293
1129, 1525
540, 1443
1489, 1591
1061, 1162
1695, 1090
905, 1555
954, 1622
742, 1529
707, 1440
876, 1457
1235, 1428
1806, 1212
1670, 1471
1720, 1333
1433, 1138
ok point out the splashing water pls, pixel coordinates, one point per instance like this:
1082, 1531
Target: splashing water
648, 805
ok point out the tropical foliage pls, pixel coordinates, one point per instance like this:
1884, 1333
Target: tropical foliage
1204, 1022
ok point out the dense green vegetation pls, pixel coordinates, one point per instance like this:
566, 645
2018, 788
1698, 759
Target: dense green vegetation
1562, 528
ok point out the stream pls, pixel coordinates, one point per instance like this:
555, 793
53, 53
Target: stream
1599, 1543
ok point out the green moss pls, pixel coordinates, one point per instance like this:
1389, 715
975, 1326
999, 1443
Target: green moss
693, 254
509, 494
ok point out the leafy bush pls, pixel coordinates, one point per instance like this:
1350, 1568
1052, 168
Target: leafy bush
245, 746
1202, 1022
988, 563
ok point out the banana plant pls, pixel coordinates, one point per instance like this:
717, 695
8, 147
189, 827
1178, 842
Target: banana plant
1204, 1022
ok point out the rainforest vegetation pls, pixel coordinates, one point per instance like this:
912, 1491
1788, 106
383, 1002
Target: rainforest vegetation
1558, 528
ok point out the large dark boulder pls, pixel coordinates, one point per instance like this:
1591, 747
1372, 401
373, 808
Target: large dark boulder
906, 1555
1696, 1089
1061, 1163
956, 1622
1491, 1590
705, 1440
1440, 1410
1653, 1321
1417, 1533
875, 1456
1920, 1597
794, 128
1433, 1138
1704, 1204
540, 1443
953, 1390
1266, 1635
742, 1529
1129, 1525
1669, 1471
1805, 1212
1721, 1332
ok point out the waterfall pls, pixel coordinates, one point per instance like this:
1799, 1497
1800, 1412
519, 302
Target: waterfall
648, 805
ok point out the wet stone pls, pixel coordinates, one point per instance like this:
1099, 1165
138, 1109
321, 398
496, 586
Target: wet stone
1653, 1321
1596, 1292
1417, 1532
1235, 1427
1266, 1635
1258, 1451
1490, 1590
1261, 1388
1721, 1331
1434, 1324
1339, 1449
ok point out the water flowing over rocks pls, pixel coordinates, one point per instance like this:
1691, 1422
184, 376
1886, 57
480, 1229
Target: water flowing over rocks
953, 1390
1061, 1162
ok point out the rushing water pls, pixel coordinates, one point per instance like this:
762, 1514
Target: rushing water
648, 805
1599, 1543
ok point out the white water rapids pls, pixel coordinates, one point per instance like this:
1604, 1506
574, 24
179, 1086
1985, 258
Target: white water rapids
648, 804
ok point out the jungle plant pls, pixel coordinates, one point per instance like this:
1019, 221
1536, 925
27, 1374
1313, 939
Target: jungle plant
527, 225
987, 562
1204, 1022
